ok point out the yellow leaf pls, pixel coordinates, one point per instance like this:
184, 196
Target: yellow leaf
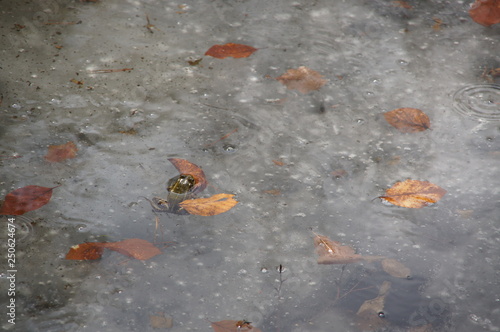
210, 206
413, 194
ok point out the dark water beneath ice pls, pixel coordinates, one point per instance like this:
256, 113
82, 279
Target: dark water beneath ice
377, 57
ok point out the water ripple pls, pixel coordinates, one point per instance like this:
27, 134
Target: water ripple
480, 101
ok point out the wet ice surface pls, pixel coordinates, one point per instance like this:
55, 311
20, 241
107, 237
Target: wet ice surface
377, 57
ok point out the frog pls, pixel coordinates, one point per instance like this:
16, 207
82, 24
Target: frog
179, 188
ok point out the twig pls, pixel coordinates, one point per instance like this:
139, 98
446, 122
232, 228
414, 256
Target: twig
220, 139
63, 23
103, 71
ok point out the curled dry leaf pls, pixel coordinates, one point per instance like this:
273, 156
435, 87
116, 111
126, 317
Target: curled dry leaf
230, 50
408, 120
233, 326
186, 167
395, 268
413, 194
136, 248
210, 206
57, 153
26, 199
302, 79
368, 313
485, 12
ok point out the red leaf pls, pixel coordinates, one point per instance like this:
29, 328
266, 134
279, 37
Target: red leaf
186, 167
408, 120
302, 79
57, 153
233, 326
485, 12
26, 199
136, 248
230, 49
86, 251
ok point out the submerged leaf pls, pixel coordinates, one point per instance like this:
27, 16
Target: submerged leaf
371, 311
136, 248
57, 153
332, 252
210, 206
230, 50
408, 120
485, 12
233, 326
86, 251
395, 268
413, 194
302, 79
26, 199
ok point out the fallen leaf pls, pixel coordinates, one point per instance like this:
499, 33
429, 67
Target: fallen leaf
86, 251
302, 79
272, 192
278, 162
339, 173
413, 194
395, 268
233, 326
485, 12
188, 168
230, 49
136, 248
26, 199
57, 153
161, 322
408, 120
371, 313
332, 252
210, 206
402, 4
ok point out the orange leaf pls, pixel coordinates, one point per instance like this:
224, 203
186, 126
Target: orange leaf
233, 326
86, 251
26, 199
331, 252
210, 206
413, 194
302, 79
136, 248
230, 49
485, 12
186, 167
62, 152
408, 120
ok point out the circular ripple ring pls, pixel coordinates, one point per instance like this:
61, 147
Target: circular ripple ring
478, 101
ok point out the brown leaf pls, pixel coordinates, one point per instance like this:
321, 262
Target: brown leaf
402, 4
485, 12
302, 79
186, 167
332, 252
160, 322
408, 120
136, 248
368, 313
413, 194
230, 49
57, 153
26, 199
210, 206
86, 251
233, 326
395, 268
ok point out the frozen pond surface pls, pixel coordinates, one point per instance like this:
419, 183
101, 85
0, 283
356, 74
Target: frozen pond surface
298, 163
